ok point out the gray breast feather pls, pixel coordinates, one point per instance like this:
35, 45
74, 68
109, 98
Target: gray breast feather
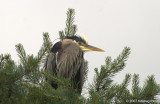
69, 62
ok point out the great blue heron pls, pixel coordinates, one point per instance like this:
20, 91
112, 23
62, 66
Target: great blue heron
66, 60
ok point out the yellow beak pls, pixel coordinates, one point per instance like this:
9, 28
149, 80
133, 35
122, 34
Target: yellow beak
90, 48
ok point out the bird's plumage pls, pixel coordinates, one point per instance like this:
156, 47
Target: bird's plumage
66, 60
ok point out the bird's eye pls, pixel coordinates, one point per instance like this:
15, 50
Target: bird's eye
80, 43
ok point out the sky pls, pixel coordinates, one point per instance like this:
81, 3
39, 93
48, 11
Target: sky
108, 24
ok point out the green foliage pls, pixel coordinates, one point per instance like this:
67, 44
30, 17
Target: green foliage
104, 91
103, 85
71, 28
24, 83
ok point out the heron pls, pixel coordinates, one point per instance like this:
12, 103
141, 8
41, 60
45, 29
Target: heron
66, 60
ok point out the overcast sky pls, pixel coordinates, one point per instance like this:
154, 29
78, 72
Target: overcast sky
108, 24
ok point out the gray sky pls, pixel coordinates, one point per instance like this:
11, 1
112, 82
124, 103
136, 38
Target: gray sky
108, 24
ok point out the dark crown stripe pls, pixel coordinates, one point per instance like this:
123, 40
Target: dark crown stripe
76, 38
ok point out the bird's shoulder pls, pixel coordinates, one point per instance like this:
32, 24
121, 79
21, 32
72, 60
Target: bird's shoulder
56, 47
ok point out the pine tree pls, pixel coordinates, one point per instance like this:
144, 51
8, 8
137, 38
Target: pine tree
24, 83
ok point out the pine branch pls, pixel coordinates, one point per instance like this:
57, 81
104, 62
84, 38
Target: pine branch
78, 100
29, 62
103, 78
21, 53
125, 82
56, 97
3, 77
7, 67
48, 86
4, 59
135, 86
121, 89
150, 88
117, 91
74, 29
69, 22
103, 74
71, 28
118, 64
56, 80
46, 46
61, 35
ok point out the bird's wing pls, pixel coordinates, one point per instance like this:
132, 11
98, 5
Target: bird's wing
50, 67
79, 77
50, 64
51, 60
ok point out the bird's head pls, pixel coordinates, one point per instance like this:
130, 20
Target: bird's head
82, 42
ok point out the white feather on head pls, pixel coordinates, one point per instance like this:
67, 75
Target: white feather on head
84, 38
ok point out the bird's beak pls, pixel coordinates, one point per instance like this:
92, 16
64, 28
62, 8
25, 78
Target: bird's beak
90, 48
